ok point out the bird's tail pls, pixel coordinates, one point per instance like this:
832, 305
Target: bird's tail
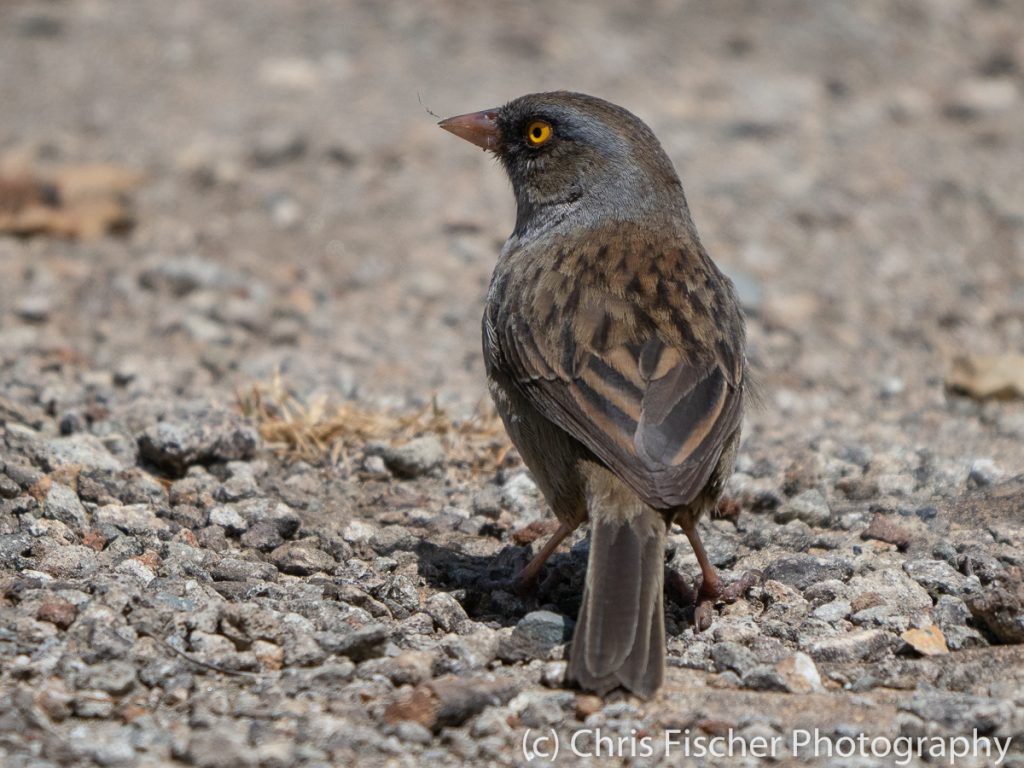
620, 632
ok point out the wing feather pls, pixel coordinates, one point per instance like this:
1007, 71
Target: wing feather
647, 377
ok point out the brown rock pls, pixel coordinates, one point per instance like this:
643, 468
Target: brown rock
882, 528
269, 655
449, 701
94, 540
866, 600
928, 641
61, 613
150, 559
983, 377
587, 704
54, 699
1001, 610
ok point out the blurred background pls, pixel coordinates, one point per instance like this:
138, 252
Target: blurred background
855, 166
239, 262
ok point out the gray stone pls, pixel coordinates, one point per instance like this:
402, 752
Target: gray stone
197, 436
375, 465
394, 537
447, 612
334, 672
80, 450
301, 558
229, 519
1001, 610
413, 733
8, 488
359, 531
799, 674
889, 586
209, 643
983, 473
61, 503
539, 709
535, 635
472, 651
810, 506
97, 704
860, 645
520, 495
487, 502
266, 509
264, 536
116, 677
409, 668
832, 612
237, 488
802, 570
959, 711
115, 749
23, 474
728, 655
940, 578
129, 486
359, 644
416, 457
402, 597
70, 562
959, 638
553, 675
130, 518
235, 569
135, 572
301, 647
950, 611
892, 618
764, 677
226, 745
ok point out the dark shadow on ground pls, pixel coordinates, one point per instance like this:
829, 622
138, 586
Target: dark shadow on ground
483, 585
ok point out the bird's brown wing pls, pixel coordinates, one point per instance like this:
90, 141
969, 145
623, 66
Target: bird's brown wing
638, 355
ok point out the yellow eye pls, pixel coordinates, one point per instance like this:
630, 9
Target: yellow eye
538, 132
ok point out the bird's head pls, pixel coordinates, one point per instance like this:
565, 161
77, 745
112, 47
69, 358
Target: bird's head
565, 151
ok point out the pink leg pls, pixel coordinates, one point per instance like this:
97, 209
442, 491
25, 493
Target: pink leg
526, 580
711, 589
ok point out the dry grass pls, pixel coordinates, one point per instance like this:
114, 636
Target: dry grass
317, 431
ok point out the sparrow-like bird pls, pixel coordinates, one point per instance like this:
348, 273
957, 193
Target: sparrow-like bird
614, 351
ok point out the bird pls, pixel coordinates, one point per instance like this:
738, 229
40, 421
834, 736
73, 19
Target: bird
614, 351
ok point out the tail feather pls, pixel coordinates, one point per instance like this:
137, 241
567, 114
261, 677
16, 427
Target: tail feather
620, 632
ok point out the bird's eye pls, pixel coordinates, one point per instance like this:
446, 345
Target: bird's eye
538, 132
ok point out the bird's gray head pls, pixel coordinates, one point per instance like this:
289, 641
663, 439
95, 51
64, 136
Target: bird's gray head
567, 152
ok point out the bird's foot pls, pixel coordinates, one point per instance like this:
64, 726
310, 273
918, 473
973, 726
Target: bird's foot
714, 592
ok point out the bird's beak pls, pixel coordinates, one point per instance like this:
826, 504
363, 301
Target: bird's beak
480, 128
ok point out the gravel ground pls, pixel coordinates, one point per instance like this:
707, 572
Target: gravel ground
253, 503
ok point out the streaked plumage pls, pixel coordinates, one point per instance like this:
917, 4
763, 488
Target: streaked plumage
615, 355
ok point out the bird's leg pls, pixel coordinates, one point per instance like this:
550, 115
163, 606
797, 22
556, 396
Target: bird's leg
526, 580
711, 588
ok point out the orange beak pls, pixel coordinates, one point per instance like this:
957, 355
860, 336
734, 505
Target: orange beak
480, 128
